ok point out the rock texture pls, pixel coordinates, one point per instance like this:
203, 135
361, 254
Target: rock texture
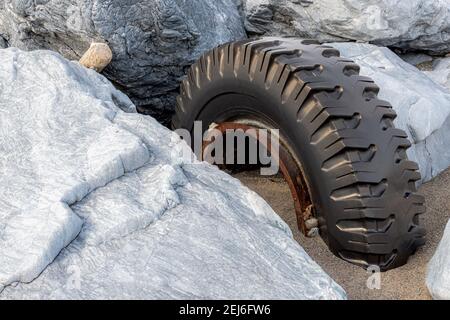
416, 58
58, 143
438, 276
152, 40
412, 24
422, 105
441, 72
123, 205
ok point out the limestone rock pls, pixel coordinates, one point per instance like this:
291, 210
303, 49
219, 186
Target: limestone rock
123, 205
441, 72
438, 275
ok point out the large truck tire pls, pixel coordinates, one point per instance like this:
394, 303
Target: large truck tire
354, 161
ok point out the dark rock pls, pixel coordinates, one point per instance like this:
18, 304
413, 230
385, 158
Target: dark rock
409, 25
152, 41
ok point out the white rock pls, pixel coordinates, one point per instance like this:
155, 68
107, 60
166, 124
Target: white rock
44, 167
139, 217
423, 107
417, 24
441, 72
438, 276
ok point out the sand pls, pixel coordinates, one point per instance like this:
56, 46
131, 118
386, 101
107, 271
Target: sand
407, 282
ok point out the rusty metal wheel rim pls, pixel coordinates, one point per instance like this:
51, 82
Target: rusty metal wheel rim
289, 167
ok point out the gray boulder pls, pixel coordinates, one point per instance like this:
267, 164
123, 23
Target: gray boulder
414, 24
438, 273
100, 202
422, 105
441, 72
152, 40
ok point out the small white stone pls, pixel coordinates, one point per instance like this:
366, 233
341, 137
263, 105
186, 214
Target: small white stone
314, 232
311, 223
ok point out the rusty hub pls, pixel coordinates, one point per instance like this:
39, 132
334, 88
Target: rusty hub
290, 170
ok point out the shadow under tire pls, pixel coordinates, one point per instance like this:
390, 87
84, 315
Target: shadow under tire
362, 185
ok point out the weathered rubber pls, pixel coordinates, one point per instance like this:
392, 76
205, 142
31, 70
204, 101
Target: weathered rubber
354, 160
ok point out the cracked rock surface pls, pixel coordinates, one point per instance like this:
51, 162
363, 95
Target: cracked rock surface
152, 40
100, 202
440, 72
412, 24
422, 105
